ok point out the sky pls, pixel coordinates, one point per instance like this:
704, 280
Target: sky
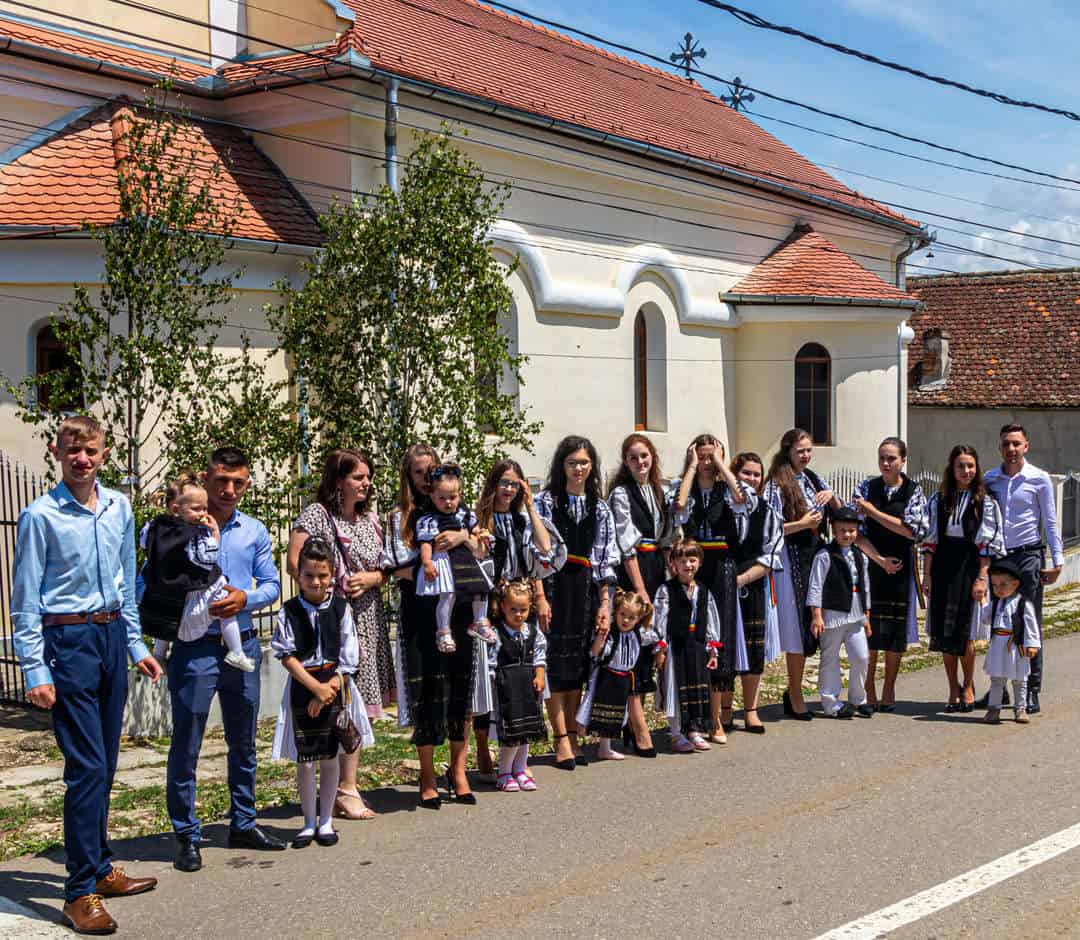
1024, 50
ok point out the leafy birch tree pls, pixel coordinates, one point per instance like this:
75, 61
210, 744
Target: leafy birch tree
397, 334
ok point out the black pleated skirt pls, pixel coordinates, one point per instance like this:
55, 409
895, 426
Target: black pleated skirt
953, 571
575, 600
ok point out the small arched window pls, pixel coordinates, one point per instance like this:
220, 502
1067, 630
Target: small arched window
62, 392
813, 392
641, 372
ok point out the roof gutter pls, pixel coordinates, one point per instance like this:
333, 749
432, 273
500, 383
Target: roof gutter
819, 300
232, 242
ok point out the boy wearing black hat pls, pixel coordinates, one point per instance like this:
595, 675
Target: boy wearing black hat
839, 600
1012, 627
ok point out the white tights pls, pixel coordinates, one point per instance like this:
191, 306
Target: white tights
444, 609
329, 773
997, 692
513, 760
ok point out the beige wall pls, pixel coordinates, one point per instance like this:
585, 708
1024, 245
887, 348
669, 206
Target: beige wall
1054, 435
291, 23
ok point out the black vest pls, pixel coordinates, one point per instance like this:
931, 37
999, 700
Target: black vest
500, 551
448, 521
718, 515
579, 536
168, 567
838, 591
889, 543
679, 610
304, 633
513, 650
969, 521
749, 549
807, 538
640, 513
1018, 619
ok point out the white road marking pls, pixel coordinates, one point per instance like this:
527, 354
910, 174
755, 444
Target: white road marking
963, 886
26, 924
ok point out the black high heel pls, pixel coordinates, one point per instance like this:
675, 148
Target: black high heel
431, 802
468, 799
568, 763
789, 710
753, 729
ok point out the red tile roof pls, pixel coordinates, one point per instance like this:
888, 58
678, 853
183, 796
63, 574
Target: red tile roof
466, 47
807, 264
1014, 339
71, 178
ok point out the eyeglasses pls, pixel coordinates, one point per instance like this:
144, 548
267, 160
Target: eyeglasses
579, 464
446, 471
510, 484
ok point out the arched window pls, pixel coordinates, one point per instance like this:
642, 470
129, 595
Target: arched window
641, 373
51, 358
813, 392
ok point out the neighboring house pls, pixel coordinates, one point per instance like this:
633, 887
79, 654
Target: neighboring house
994, 348
681, 270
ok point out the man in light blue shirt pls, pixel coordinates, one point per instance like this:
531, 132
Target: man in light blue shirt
196, 675
1028, 510
75, 624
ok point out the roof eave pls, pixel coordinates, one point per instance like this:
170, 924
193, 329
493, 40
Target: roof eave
15, 232
820, 300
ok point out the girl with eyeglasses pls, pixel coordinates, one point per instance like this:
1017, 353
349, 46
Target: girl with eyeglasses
579, 593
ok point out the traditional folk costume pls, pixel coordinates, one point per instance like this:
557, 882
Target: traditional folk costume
710, 518
840, 584
761, 542
613, 680
687, 622
586, 526
1010, 625
459, 574
894, 618
800, 548
433, 688
958, 538
642, 531
519, 718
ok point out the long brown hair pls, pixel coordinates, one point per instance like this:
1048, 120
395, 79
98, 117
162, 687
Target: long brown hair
624, 477
949, 490
485, 506
745, 457
782, 473
699, 441
338, 465
408, 496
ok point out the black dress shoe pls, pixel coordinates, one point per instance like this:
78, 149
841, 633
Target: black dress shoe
642, 751
254, 838
302, 842
865, 711
188, 858
326, 839
1033, 706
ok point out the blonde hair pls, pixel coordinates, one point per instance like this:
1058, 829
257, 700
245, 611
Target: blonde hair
174, 489
632, 599
81, 428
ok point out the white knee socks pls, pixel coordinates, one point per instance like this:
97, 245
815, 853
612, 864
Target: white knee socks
329, 773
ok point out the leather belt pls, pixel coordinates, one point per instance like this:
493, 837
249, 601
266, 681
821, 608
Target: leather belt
68, 620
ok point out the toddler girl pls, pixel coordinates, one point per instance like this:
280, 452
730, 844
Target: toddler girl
1013, 630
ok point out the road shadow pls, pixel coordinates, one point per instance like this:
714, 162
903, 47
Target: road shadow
39, 894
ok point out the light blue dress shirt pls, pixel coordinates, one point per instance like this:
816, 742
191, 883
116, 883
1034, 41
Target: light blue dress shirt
246, 554
1028, 508
70, 559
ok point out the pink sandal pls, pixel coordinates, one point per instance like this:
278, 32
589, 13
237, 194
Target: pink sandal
525, 782
444, 642
482, 629
508, 784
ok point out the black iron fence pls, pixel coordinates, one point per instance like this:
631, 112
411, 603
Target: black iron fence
1070, 509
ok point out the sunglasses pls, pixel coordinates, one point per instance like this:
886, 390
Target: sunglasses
510, 484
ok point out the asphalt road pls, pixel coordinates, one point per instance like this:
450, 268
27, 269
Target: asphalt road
786, 835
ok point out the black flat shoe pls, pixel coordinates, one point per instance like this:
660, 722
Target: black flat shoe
952, 707
568, 764
966, 707
302, 842
643, 751
865, 711
431, 802
188, 857
330, 838
789, 710
254, 838
887, 708
753, 729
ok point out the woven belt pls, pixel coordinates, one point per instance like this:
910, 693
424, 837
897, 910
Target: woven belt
68, 620
579, 560
999, 632
314, 669
720, 546
647, 545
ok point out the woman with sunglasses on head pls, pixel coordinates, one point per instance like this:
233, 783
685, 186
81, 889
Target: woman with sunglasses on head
643, 527
434, 688
524, 546
579, 594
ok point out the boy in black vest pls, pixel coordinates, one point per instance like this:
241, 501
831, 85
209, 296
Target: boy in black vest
1011, 625
839, 602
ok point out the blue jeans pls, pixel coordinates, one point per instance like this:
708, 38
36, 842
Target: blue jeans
196, 674
89, 670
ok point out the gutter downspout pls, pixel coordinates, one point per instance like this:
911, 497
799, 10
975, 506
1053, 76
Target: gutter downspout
904, 333
390, 134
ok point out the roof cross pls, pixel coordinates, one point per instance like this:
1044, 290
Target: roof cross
685, 55
739, 97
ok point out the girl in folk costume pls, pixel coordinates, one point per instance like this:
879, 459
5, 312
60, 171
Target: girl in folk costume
804, 501
687, 623
517, 662
706, 505
615, 654
1011, 624
964, 534
757, 554
434, 688
523, 546
579, 593
315, 640
450, 574
643, 530
893, 510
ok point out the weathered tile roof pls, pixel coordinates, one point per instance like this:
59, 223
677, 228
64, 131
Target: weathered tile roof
808, 265
71, 177
1014, 339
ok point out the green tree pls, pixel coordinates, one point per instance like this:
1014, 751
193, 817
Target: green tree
142, 347
397, 332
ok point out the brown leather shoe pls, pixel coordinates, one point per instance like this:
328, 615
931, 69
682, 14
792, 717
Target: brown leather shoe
118, 884
88, 915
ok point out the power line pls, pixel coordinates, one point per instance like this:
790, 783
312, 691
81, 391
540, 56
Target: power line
752, 19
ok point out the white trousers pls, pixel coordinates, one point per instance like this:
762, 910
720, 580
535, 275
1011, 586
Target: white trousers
830, 675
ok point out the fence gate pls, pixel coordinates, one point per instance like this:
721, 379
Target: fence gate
18, 488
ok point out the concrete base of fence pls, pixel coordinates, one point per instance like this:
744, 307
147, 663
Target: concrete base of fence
149, 713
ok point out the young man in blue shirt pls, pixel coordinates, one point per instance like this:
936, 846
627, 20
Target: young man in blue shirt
75, 625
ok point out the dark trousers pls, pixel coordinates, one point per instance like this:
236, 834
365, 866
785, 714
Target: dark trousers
196, 674
89, 670
1030, 561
